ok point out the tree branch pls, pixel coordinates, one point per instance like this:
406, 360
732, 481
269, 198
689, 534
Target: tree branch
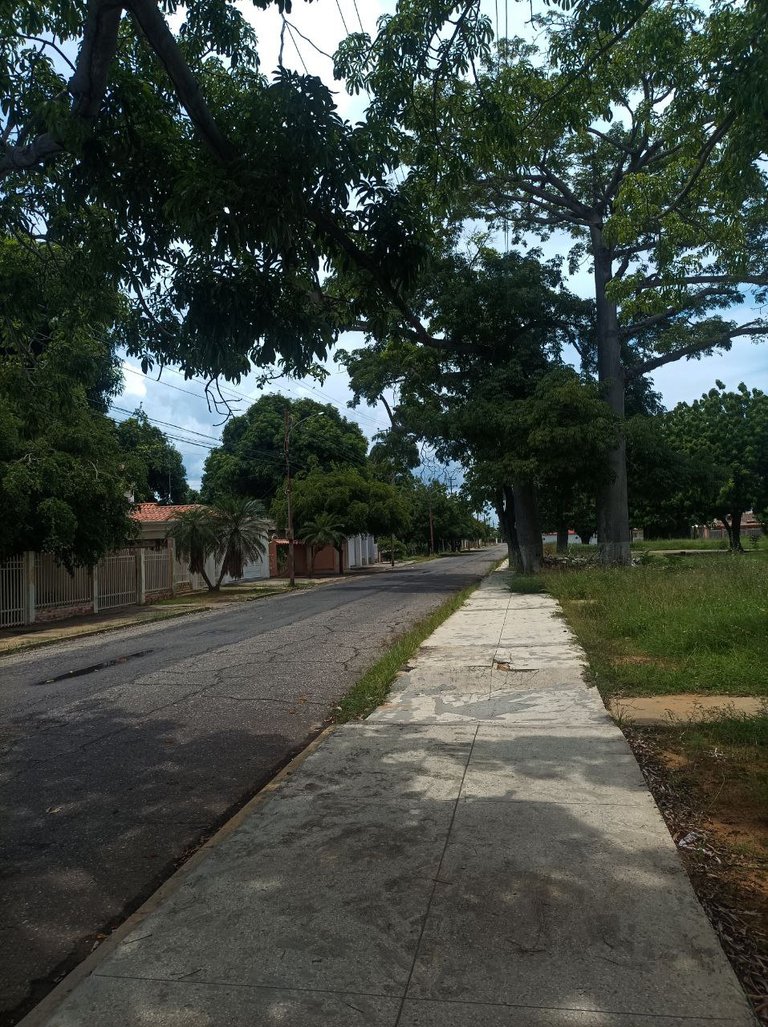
701, 163
695, 349
723, 281
627, 331
160, 38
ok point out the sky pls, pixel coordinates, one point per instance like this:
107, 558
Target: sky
181, 405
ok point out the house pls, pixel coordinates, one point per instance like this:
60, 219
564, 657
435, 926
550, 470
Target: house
357, 551
155, 521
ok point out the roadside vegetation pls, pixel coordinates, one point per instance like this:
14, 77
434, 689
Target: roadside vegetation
676, 624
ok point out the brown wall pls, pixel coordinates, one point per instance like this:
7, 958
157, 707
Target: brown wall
326, 560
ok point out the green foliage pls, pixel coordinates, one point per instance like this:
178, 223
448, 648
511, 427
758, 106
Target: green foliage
357, 503
689, 625
194, 533
240, 528
728, 430
670, 488
451, 516
323, 530
214, 193
251, 460
62, 483
232, 531
153, 464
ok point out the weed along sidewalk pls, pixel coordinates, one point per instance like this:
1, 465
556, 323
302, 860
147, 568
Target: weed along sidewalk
482, 850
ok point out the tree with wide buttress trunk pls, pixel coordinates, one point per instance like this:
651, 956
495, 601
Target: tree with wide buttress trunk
496, 396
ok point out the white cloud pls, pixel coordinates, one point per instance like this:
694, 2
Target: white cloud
133, 385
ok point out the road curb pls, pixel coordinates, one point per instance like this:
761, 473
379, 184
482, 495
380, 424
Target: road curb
45, 1009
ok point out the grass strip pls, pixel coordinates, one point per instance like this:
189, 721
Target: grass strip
674, 625
373, 687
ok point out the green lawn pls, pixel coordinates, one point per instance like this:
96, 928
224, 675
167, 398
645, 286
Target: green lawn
680, 624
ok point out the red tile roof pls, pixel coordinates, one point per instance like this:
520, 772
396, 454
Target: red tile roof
154, 513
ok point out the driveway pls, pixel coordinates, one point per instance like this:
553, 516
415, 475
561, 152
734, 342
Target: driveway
121, 752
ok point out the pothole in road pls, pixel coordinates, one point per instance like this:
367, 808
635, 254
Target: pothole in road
94, 667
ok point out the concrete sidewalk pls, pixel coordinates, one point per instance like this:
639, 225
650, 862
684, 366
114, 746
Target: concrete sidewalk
481, 851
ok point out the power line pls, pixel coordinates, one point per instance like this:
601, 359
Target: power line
357, 12
296, 47
351, 414
343, 19
168, 424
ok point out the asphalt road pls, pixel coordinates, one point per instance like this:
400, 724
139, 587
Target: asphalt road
121, 752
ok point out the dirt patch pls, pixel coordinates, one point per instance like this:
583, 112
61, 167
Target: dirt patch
713, 803
683, 708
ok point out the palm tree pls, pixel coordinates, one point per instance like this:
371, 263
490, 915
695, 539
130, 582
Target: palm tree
241, 530
196, 538
232, 531
322, 531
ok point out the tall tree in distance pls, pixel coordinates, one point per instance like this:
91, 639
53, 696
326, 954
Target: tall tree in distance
251, 461
729, 430
153, 465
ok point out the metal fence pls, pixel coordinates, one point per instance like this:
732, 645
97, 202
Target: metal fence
55, 586
117, 580
157, 571
12, 598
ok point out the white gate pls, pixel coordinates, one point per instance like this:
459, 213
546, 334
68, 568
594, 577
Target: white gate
56, 587
157, 570
117, 580
12, 605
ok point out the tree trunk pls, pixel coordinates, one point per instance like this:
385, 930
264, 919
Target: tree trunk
528, 527
505, 510
735, 532
340, 551
562, 537
613, 534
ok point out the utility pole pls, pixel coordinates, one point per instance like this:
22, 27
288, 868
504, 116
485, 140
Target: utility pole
431, 522
288, 488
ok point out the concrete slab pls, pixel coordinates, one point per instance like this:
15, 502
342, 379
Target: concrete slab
539, 657
515, 709
576, 907
462, 1014
488, 636
426, 679
534, 627
456, 656
388, 764
311, 893
532, 601
568, 676
667, 710
551, 765
133, 1003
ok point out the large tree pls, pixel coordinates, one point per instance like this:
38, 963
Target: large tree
154, 466
63, 486
728, 430
213, 191
615, 136
251, 461
487, 397
354, 499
